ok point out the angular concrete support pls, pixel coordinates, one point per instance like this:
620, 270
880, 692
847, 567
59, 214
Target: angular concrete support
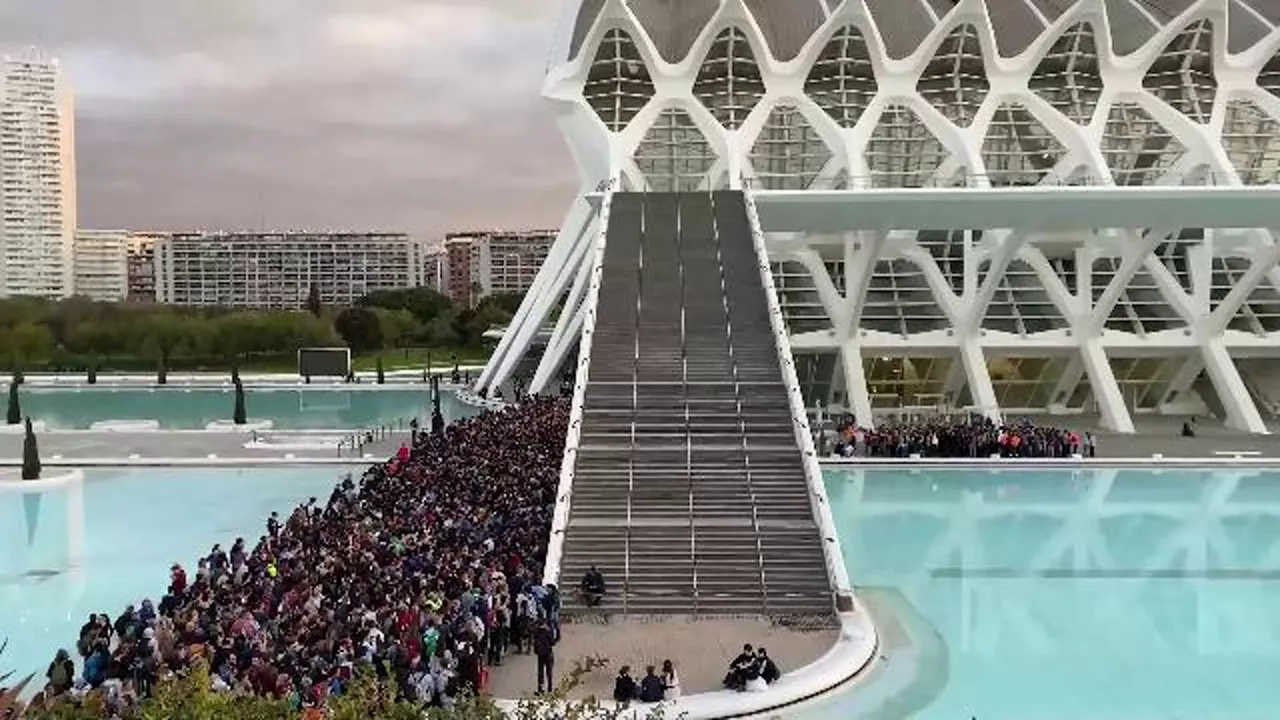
975, 369
855, 384
568, 325
1242, 414
1102, 381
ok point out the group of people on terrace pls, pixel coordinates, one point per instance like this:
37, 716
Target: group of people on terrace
425, 570
971, 436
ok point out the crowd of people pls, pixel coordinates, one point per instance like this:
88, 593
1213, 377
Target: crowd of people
426, 570
967, 437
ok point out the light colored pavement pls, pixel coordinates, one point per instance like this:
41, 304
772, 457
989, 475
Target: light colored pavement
701, 650
184, 445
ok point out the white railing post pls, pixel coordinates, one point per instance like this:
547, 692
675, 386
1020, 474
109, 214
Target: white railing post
564, 492
836, 571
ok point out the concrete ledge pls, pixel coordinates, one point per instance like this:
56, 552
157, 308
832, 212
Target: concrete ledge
852, 652
293, 442
1023, 463
125, 426
464, 395
12, 482
250, 425
37, 426
217, 461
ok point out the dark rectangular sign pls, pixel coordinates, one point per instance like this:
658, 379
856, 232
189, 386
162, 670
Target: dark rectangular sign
324, 362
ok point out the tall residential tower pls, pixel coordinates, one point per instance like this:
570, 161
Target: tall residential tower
37, 178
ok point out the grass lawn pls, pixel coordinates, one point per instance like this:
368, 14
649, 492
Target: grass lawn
415, 358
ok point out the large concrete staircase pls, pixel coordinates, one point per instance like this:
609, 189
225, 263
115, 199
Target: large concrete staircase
689, 490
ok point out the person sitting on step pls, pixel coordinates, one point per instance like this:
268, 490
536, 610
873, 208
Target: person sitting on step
767, 667
651, 686
592, 587
741, 669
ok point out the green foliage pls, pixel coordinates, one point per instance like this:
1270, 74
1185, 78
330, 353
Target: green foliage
238, 413
424, 304
15, 404
360, 328
30, 454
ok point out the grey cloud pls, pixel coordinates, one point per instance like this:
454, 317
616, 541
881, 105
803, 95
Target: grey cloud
246, 112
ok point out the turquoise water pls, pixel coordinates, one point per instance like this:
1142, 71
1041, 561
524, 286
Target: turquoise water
1126, 594
186, 408
138, 522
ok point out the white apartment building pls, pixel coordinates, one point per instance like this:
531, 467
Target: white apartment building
277, 270
101, 264
37, 179
493, 261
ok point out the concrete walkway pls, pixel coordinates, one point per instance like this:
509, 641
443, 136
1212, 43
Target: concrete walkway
701, 650
99, 448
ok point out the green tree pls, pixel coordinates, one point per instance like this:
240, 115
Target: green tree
162, 370
238, 413
398, 327
359, 328
423, 303
30, 454
30, 342
313, 301
15, 404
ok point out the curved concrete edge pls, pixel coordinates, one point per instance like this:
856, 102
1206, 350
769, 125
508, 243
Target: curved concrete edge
464, 395
250, 425
37, 426
319, 442
228, 461
397, 379
125, 426
852, 652
47, 483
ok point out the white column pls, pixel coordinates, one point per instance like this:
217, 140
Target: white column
75, 521
571, 232
1066, 385
554, 356
1242, 414
975, 369
1102, 381
855, 384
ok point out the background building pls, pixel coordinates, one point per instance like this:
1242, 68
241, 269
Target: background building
493, 261
930, 96
435, 272
142, 266
37, 178
277, 270
101, 262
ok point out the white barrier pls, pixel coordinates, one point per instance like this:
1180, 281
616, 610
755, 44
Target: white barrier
564, 492
837, 573
125, 426
37, 426
249, 425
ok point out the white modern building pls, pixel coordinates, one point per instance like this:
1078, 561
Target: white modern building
277, 270
1011, 206
101, 262
37, 178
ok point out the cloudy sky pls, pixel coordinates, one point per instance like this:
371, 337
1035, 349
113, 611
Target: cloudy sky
416, 115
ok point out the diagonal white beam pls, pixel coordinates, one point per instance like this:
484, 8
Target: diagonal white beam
1006, 249
855, 383
1133, 254
830, 297
859, 266
1242, 413
1264, 259
568, 325
1106, 391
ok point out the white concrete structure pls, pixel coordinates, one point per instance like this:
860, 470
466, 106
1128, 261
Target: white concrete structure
277, 270
1073, 109
37, 178
101, 263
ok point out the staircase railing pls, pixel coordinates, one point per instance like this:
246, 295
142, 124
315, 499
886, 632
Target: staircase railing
564, 493
836, 571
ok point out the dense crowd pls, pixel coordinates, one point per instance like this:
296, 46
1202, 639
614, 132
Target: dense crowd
426, 570
968, 437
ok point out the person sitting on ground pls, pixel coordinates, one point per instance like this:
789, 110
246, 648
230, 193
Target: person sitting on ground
670, 680
651, 687
736, 679
1189, 428
624, 688
767, 667
592, 587
61, 673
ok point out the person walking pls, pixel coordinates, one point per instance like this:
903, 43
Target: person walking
544, 649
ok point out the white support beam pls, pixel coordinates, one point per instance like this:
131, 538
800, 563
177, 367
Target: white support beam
1006, 248
1264, 259
1106, 391
563, 269
980, 387
1242, 413
1183, 378
1067, 383
565, 332
830, 297
1134, 252
571, 234
855, 384
861, 257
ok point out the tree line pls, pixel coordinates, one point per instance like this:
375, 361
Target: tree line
78, 334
